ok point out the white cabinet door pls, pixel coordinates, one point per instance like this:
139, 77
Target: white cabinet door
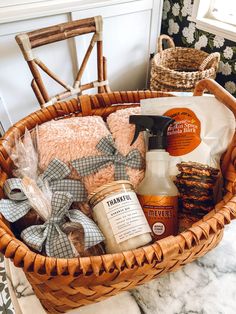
15, 76
130, 32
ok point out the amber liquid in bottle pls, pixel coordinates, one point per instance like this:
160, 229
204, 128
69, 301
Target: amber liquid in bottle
158, 195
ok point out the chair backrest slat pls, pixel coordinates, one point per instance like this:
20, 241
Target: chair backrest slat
28, 41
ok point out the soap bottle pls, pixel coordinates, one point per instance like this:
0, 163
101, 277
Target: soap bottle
157, 193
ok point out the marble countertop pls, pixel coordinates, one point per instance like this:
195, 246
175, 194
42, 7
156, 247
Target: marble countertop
206, 286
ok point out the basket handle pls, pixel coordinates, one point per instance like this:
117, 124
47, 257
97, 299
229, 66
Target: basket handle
85, 104
218, 91
160, 42
230, 102
214, 58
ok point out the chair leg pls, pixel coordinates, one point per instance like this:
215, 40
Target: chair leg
100, 66
37, 93
106, 87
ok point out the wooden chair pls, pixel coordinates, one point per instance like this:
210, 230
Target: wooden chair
29, 41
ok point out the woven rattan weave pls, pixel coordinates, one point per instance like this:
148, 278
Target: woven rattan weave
63, 284
179, 69
48, 35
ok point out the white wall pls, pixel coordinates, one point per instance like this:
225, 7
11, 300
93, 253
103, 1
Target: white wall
130, 31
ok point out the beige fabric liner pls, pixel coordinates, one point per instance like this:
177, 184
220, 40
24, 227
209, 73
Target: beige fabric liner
26, 45
99, 28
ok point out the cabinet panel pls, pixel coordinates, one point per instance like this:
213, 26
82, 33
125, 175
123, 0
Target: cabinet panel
15, 76
130, 31
127, 43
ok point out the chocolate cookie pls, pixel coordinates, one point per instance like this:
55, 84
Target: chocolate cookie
196, 183
197, 168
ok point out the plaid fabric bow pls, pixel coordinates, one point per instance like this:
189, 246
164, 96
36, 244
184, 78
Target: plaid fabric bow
50, 235
91, 164
56, 174
18, 205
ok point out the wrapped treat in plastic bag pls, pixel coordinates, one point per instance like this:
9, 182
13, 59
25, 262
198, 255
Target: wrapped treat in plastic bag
123, 133
76, 236
17, 208
24, 155
51, 237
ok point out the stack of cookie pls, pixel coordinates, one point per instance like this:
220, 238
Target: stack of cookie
196, 182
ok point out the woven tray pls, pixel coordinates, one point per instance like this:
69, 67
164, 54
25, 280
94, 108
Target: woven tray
63, 284
179, 69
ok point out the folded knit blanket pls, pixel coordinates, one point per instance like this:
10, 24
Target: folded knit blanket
68, 139
77, 138
123, 133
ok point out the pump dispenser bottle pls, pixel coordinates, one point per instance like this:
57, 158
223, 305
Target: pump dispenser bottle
157, 193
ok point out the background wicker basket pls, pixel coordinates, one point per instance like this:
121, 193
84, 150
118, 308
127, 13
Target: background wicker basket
179, 69
63, 284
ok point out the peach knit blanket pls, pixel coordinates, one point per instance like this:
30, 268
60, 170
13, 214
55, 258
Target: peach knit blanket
74, 138
123, 133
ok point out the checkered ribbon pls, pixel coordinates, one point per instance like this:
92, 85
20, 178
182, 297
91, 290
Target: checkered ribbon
56, 174
18, 206
50, 235
91, 164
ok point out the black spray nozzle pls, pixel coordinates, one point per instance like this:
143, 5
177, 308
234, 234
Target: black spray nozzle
156, 126
140, 125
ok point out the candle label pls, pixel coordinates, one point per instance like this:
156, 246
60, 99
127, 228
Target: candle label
125, 215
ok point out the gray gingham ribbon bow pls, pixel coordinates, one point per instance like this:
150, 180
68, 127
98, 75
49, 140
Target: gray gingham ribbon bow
50, 234
91, 164
18, 205
56, 174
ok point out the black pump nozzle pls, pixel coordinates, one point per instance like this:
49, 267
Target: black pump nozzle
157, 127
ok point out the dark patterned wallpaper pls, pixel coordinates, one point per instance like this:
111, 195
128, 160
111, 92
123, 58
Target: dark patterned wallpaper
185, 33
6, 306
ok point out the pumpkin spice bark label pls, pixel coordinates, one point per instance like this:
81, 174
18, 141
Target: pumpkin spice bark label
183, 135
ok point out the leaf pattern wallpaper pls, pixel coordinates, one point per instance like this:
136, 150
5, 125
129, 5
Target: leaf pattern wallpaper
185, 34
6, 306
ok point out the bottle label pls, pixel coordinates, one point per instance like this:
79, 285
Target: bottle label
183, 135
161, 214
125, 215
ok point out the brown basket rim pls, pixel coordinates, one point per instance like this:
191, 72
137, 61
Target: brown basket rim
169, 71
157, 252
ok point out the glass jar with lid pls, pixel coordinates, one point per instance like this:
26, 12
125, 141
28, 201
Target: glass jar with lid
119, 215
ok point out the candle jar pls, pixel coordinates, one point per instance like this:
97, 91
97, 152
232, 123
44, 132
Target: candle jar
119, 215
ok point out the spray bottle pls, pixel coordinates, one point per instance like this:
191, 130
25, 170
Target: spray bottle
157, 193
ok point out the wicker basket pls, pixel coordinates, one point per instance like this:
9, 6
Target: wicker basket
179, 69
63, 284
